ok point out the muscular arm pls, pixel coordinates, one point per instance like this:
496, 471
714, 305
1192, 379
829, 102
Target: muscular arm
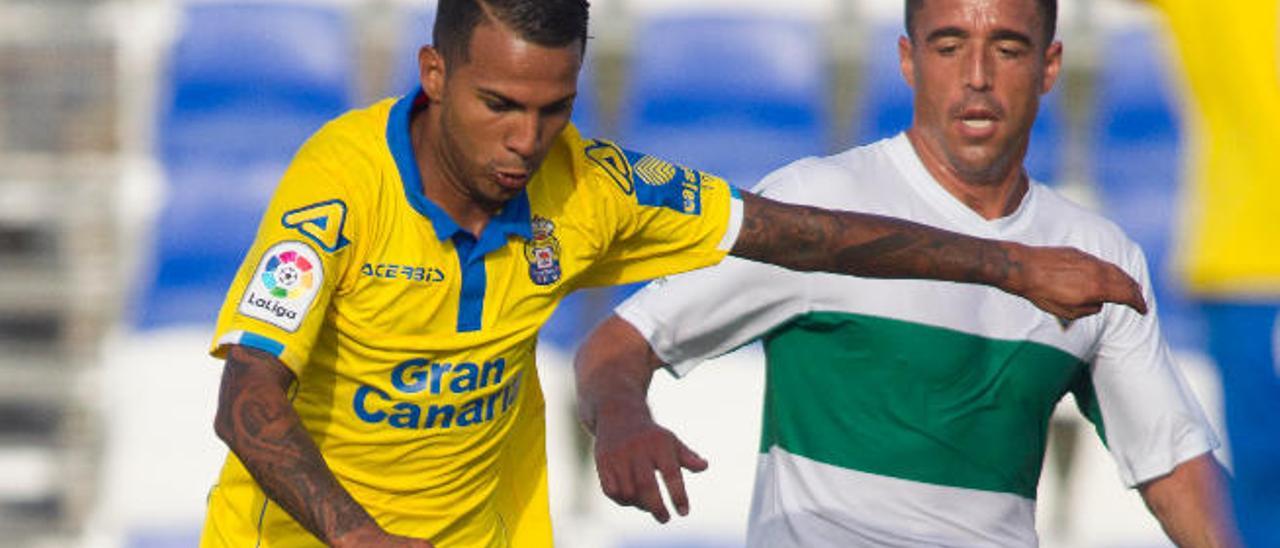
1062, 281
612, 371
1192, 505
257, 422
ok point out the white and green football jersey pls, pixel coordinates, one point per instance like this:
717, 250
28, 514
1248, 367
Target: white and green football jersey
909, 413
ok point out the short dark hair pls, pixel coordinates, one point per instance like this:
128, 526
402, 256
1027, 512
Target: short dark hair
549, 23
1048, 8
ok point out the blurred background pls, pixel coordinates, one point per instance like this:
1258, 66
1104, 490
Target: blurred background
141, 139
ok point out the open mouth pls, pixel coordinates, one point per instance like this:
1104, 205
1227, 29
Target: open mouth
977, 123
511, 180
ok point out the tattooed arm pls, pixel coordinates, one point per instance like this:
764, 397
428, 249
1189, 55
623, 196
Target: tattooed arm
1065, 282
259, 424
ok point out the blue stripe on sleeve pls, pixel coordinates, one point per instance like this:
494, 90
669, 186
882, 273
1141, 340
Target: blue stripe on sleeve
658, 183
253, 340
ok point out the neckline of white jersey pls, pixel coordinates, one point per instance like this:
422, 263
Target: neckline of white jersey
904, 156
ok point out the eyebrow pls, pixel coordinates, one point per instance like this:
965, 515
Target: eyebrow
997, 35
499, 96
1011, 35
946, 32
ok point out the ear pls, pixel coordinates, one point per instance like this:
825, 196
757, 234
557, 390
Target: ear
905, 63
1052, 66
431, 70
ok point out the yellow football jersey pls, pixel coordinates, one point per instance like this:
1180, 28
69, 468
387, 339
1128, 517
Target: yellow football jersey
413, 342
1230, 52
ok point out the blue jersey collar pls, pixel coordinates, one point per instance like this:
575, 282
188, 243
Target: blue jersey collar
513, 220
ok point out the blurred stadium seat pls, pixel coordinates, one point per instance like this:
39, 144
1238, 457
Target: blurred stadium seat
1044, 153
886, 108
586, 106
736, 95
415, 33
1137, 158
247, 83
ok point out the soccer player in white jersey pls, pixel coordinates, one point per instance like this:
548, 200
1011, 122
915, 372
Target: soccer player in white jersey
914, 413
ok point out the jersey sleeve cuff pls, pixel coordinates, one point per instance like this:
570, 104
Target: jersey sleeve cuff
1155, 464
734, 225
631, 312
257, 342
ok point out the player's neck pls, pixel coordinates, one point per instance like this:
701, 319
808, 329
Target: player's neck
441, 179
992, 197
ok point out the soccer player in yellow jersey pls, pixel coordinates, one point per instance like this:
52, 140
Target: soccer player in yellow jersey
1230, 56
379, 386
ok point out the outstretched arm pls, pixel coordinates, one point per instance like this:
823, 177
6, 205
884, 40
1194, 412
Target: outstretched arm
1192, 505
612, 370
1065, 282
257, 422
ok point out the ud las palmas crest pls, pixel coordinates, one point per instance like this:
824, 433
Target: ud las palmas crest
543, 252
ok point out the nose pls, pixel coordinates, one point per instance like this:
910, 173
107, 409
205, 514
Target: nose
523, 135
978, 69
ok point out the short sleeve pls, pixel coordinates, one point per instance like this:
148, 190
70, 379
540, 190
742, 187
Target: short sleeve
281, 291
659, 218
691, 317
1137, 397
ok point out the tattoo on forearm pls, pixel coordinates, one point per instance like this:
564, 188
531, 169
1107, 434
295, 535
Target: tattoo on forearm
809, 238
267, 436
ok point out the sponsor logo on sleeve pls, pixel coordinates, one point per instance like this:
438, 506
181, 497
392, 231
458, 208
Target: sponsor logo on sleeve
322, 223
286, 282
654, 172
614, 162
652, 181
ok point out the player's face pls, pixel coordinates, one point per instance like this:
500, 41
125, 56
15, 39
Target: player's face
501, 109
978, 68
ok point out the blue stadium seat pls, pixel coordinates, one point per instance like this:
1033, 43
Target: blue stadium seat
415, 33
247, 83
1048, 139
586, 107
255, 64
736, 95
1138, 160
885, 105
886, 108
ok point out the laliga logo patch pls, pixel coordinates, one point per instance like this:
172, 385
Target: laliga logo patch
283, 287
543, 253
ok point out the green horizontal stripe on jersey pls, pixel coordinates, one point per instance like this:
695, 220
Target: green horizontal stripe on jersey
913, 401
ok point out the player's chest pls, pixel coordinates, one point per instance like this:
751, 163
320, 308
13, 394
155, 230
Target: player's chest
977, 312
411, 281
